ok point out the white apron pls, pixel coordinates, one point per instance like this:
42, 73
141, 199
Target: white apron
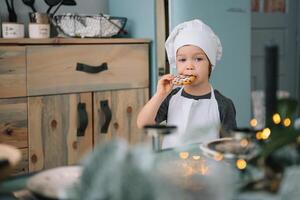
197, 121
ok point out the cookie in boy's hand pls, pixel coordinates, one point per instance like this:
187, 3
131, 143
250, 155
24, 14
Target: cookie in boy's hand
183, 80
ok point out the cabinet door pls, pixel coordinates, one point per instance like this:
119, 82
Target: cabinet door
115, 114
13, 128
12, 72
13, 122
53, 123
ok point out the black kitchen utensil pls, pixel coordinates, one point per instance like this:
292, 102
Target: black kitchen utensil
51, 4
30, 3
66, 3
11, 11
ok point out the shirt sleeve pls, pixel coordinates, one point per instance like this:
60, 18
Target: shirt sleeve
229, 118
227, 114
162, 113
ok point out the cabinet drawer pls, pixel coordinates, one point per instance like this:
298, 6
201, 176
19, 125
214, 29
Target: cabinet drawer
13, 122
12, 72
52, 69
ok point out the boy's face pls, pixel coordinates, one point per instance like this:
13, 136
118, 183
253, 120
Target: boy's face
191, 60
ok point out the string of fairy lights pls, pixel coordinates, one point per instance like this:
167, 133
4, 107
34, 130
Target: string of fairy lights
240, 161
264, 134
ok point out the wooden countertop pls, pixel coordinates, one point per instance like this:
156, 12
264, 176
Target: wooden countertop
28, 41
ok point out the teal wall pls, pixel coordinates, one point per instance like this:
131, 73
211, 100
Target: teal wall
232, 23
141, 24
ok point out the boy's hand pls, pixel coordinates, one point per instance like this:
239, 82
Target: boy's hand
164, 85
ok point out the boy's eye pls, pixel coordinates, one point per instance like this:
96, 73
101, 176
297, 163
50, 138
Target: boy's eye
181, 59
198, 59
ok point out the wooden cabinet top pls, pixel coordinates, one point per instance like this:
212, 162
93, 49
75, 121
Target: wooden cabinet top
49, 41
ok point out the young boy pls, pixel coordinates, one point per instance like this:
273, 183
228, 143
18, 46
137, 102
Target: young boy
198, 111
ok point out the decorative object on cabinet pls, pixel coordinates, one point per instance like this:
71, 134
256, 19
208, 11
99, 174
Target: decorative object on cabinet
59, 96
30, 3
65, 3
12, 30
39, 18
39, 30
39, 26
12, 16
51, 4
75, 25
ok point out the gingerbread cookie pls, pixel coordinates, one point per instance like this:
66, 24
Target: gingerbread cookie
183, 80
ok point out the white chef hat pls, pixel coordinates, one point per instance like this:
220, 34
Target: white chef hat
197, 33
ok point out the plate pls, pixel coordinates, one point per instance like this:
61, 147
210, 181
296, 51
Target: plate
9, 158
53, 183
230, 148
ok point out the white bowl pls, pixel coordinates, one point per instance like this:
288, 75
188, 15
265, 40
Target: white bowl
54, 183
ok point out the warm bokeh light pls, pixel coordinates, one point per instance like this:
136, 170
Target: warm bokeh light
184, 155
188, 170
244, 142
241, 164
259, 135
203, 169
266, 133
287, 122
195, 157
276, 118
253, 122
218, 156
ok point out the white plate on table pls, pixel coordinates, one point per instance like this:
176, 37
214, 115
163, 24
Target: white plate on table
230, 148
53, 183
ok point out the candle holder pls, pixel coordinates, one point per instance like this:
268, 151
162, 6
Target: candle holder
156, 132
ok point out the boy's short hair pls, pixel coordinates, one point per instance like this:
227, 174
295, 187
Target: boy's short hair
209, 69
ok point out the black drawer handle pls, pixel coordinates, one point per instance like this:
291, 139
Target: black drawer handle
107, 114
91, 69
82, 119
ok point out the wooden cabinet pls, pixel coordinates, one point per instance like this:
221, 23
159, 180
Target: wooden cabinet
59, 97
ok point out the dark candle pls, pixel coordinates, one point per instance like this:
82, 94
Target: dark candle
271, 73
